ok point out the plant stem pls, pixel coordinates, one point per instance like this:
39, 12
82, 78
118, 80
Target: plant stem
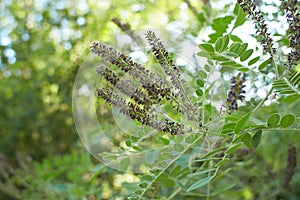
169, 165
262, 101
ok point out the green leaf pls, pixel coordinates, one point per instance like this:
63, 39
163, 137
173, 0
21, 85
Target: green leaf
241, 123
236, 9
200, 82
201, 172
288, 86
263, 65
137, 148
287, 120
273, 120
164, 140
138, 192
175, 171
202, 74
167, 155
228, 63
254, 60
199, 92
242, 49
184, 172
241, 16
226, 39
220, 24
231, 54
232, 148
228, 127
246, 55
222, 162
247, 140
132, 197
235, 47
97, 171
243, 69
256, 138
235, 38
207, 47
165, 180
134, 138
199, 183
204, 54
178, 147
213, 152
124, 163
147, 178
219, 57
143, 185
219, 44
207, 68
206, 159
201, 17
288, 99
128, 143
155, 171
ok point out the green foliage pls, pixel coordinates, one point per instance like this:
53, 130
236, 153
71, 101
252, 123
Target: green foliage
290, 86
55, 178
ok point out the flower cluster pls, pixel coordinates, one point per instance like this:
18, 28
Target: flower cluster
173, 72
249, 6
140, 95
293, 18
236, 92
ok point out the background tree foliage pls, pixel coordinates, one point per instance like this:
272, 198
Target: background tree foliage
43, 44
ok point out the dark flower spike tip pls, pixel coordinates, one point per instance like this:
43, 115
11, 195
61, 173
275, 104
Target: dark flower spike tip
293, 18
236, 92
250, 7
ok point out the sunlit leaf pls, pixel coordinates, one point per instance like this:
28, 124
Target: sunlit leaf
256, 139
246, 55
199, 183
232, 148
241, 123
287, 120
273, 120
219, 44
263, 65
247, 140
253, 60
207, 47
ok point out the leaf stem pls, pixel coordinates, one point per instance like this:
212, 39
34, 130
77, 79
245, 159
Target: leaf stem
262, 101
169, 165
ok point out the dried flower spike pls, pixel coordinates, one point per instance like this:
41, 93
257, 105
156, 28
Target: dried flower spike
173, 72
236, 92
293, 18
250, 7
144, 93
